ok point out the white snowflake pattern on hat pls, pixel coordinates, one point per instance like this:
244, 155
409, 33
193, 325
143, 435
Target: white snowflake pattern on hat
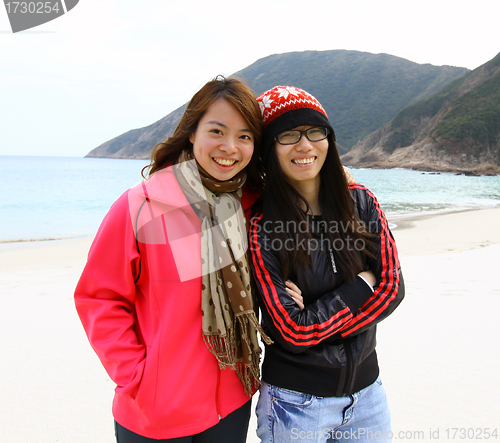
287, 90
282, 99
265, 102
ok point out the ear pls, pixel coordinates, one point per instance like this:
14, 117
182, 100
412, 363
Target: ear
191, 137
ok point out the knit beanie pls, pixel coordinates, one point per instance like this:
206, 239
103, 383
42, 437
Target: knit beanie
286, 107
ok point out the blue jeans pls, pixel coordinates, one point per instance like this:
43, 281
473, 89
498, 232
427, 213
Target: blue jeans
285, 416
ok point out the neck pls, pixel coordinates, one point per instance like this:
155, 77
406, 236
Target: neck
310, 191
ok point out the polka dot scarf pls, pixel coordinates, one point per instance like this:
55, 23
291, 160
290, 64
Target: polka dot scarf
229, 323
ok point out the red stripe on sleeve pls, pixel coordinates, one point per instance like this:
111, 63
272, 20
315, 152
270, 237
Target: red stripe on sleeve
388, 288
279, 314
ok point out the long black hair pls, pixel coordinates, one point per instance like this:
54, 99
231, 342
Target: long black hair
281, 202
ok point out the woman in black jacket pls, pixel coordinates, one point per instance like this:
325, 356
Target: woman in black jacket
327, 270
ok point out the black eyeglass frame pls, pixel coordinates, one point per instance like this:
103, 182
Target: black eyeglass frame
327, 133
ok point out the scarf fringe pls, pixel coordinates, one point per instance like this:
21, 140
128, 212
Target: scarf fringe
252, 318
224, 349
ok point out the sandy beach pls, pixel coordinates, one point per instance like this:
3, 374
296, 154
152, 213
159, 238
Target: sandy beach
438, 352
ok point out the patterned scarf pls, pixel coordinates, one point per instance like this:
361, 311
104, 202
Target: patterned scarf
230, 324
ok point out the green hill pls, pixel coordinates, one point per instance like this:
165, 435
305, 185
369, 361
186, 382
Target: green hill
458, 128
474, 118
360, 92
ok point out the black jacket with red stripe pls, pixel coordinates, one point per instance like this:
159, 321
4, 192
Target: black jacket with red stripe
328, 348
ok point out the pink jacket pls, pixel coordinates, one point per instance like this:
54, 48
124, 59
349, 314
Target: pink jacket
142, 314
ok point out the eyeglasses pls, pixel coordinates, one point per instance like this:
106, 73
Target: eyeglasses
313, 134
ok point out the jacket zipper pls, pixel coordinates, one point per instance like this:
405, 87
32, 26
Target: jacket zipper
347, 344
217, 405
332, 260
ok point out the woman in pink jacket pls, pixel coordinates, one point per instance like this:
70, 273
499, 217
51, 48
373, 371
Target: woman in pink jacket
165, 297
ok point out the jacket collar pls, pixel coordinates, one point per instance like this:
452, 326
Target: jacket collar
163, 187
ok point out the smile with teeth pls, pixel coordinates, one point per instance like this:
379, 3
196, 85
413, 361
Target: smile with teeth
224, 161
304, 161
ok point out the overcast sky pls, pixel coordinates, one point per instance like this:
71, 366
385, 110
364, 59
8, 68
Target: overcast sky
109, 66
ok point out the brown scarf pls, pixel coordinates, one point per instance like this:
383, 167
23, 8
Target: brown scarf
230, 324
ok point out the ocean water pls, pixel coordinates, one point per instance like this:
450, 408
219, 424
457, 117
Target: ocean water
67, 197
60, 197
403, 191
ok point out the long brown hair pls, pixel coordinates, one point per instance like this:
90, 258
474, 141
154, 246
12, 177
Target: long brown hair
281, 201
236, 92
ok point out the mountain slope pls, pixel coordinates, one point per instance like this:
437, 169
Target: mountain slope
360, 92
456, 129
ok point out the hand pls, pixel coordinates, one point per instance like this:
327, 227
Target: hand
348, 176
369, 276
296, 293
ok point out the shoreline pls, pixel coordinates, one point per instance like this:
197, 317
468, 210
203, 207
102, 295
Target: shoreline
485, 170
37, 240
397, 223
11, 244
408, 221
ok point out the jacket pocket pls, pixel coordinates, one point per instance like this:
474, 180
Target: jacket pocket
145, 399
130, 389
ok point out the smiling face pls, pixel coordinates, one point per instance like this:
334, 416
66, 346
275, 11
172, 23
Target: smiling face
222, 143
302, 162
